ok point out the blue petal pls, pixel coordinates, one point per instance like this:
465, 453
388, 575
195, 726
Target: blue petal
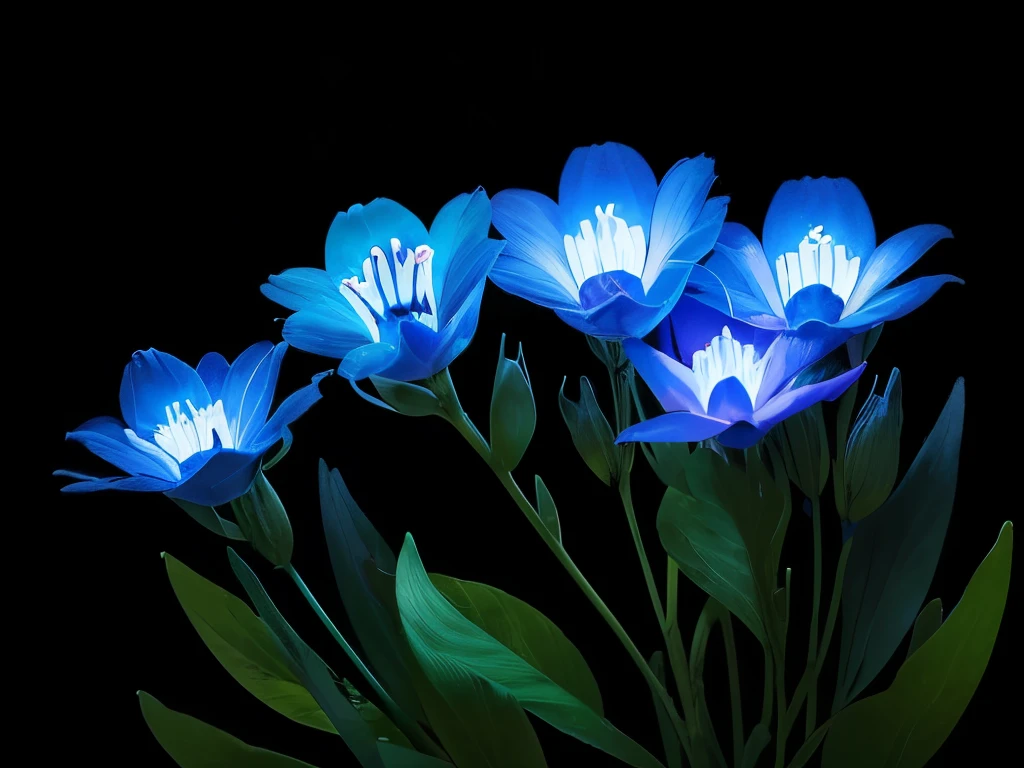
620, 317
354, 233
692, 324
815, 302
730, 402
891, 259
533, 264
679, 204
602, 174
105, 437
249, 389
298, 288
292, 408
212, 369
895, 302
739, 261
225, 477
671, 382
332, 330
470, 266
678, 427
794, 400
793, 352
741, 435
730, 299
367, 359
152, 381
459, 227
143, 483
605, 286
834, 204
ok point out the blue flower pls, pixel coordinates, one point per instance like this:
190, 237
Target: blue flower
613, 255
192, 434
819, 274
716, 377
395, 300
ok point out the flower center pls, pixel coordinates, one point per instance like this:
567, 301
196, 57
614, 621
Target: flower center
186, 434
724, 357
395, 288
614, 246
818, 261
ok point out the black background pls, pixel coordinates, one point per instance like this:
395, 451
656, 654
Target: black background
187, 175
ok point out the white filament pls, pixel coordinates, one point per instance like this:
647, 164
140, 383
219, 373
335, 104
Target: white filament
817, 261
185, 434
724, 357
613, 246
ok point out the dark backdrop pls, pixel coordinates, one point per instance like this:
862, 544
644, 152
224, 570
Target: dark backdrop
189, 175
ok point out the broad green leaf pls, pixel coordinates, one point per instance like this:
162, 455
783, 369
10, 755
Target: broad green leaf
379, 723
904, 726
873, 450
194, 744
760, 737
590, 431
455, 654
358, 557
843, 415
209, 519
929, 620
513, 411
400, 757
547, 510
894, 554
804, 447
244, 646
311, 670
669, 739
526, 632
408, 399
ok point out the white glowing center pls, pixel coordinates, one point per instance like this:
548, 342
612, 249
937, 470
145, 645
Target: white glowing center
615, 245
409, 290
817, 262
723, 357
186, 434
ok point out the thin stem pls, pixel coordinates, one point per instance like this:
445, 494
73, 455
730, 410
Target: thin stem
734, 687
812, 648
671, 592
767, 701
652, 590
780, 701
405, 724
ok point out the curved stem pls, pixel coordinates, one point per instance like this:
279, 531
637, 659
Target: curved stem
652, 590
735, 700
405, 724
812, 648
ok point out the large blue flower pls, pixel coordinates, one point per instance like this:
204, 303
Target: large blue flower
613, 255
819, 275
395, 300
192, 434
716, 377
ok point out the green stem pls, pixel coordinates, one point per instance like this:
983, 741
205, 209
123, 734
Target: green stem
405, 724
780, 702
812, 648
769, 682
652, 590
734, 687
671, 592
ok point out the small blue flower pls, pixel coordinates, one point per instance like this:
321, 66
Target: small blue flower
819, 274
192, 434
395, 300
716, 377
613, 255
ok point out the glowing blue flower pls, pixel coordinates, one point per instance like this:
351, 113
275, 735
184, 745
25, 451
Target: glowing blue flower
192, 434
613, 255
819, 274
716, 377
394, 300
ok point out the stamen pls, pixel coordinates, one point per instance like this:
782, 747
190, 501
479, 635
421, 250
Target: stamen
817, 261
614, 245
724, 357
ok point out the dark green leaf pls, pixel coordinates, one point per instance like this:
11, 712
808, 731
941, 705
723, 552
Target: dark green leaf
244, 645
806, 752
895, 551
804, 446
929, 620
860, 346
760, 737
513, 412
905, 725
668, 460
358, 555
669, 739
456, 654
526, 632
311, 670
547, 510
408, 399
590, 431
844, 413
194, 744
873, 450
210, 520
400, 757
264, 522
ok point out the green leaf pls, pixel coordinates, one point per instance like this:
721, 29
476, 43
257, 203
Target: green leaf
311, 670
590, 431
909, 722
194, 744
843, 415
804, 447
210, 520
372, 715
358, 557
513, 412
264, 522
806, 752
894, 555
760, 737
860, 346
669, 738
668, 460
873, 450
406, 398
455, 654
526, 632
244, 646
547, 510
399, 757
929, 620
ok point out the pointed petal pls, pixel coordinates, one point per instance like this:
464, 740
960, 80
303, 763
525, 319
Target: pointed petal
298, 288
249, 389
469, 268
152, 381
329, 330
142, 483
672, 383
212, 369
794, 351
292, 408
791, 401
739, 261
105, 437
463, 222
895, 302
692, 324
678, 427
730, 299
602, 174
